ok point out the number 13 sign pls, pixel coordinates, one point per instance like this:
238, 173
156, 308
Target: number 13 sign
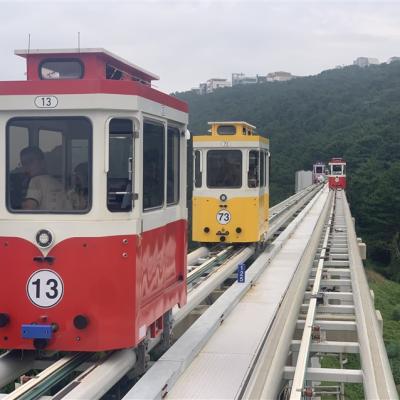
45, 288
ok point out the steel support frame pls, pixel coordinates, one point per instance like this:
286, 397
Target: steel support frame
267, 376
378, 377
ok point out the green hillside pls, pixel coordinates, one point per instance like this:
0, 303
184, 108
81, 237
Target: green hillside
350, 112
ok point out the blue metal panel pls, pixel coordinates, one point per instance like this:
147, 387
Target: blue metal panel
31, 331
241, 272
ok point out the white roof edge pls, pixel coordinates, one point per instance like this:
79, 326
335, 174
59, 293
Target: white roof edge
24, 52
232, 122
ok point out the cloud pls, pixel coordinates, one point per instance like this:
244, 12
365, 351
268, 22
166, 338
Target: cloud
186, 42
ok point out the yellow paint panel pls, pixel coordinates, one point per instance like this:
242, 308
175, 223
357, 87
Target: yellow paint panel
233, 138
247, 214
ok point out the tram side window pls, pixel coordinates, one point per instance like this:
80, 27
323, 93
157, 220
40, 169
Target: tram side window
42, 166
153, 165
224, 168
198, 174
120, 164
173, 170
262, 169
61, 69
253, 176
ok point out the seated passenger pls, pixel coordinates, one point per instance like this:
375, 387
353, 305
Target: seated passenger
44, 191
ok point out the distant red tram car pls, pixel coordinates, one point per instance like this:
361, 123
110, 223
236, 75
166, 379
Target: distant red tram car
337, 174
93, 217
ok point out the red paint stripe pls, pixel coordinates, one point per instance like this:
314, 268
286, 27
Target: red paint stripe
91, 86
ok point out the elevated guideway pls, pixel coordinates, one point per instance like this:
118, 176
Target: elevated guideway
231, 332
304, 297
335, 316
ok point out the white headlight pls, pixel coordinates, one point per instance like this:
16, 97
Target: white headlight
44, 238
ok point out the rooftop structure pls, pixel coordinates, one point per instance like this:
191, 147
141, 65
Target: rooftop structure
279, 76
365, 61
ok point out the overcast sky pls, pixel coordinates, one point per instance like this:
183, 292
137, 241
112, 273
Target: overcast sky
186, 42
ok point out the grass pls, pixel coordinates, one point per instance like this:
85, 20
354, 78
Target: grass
352, 391
387, 301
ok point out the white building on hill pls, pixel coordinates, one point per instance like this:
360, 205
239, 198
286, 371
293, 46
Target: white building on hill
365, 61
279, 76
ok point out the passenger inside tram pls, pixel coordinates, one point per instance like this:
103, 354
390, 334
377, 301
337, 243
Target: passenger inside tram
44, 192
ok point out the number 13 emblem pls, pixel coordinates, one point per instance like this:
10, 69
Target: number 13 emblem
45, 288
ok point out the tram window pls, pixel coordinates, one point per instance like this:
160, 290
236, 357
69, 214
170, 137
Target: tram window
253, 176
224, 168
173, 158
120, 164
61, 69
336, 169
113, 73
226, 130
153, 165
198, 174
42, 170
262, 169
318, 170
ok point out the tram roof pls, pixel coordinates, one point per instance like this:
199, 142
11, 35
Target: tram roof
104, 53
231, 123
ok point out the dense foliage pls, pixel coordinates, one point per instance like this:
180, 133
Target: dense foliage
351, 112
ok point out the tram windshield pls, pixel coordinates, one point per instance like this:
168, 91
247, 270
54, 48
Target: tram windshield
49, 165
224, 168
337, 169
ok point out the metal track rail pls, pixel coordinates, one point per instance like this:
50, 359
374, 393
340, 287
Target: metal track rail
209, 264
334, 316
49, 377
197, 359
303, 359
281, 214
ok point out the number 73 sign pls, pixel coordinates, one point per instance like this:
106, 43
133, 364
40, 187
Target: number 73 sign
223, 217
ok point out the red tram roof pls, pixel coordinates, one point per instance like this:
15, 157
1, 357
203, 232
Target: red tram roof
337, 160
94, 59
133, 81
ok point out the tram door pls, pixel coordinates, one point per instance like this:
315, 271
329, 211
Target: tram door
162, 223
120, 166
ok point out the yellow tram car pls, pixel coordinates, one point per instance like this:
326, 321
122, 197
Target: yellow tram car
231, 184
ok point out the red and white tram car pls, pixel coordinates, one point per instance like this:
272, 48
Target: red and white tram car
318, 175
93, 217
337, 174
